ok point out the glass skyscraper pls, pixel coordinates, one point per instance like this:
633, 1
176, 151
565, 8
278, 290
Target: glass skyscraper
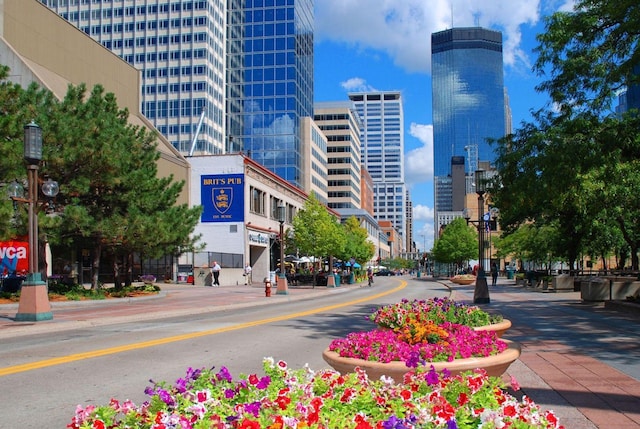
468, 95
273, 88
470, 105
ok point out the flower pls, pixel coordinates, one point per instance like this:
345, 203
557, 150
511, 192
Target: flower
432, 343
302, 398
437, 310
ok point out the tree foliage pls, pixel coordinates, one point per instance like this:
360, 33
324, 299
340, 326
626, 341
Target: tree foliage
457, 244
357, 245
111, 198
316, 232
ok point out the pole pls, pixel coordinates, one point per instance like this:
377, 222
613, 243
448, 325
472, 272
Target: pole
34, 303
282, 288
481, 291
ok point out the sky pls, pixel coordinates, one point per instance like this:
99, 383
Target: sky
385, 45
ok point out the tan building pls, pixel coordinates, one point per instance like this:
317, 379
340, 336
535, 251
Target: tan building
314, 169
39, 46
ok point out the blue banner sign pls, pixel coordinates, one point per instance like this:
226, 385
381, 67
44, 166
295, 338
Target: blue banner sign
222, 198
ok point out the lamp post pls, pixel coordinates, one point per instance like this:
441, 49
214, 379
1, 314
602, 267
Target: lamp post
282, 287
34, 300
481, 291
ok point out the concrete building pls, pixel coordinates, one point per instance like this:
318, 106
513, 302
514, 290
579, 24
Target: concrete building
179, 47
382, 151
340, 124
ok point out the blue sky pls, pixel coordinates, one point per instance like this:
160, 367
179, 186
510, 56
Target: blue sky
385, 45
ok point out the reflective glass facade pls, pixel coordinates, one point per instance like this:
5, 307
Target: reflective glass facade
468, 94
273, 85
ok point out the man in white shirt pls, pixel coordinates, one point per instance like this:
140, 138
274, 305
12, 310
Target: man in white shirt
247, 274
215, 270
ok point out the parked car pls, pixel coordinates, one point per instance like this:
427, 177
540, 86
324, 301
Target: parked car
384, 273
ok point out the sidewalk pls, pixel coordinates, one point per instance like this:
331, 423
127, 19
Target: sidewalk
580, 360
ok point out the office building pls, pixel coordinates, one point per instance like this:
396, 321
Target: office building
469, 102
382, 151
274, 89
179, 48
340, 123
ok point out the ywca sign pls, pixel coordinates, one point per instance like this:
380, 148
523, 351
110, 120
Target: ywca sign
14, 256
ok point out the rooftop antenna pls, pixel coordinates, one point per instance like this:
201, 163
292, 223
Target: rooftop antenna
476, 19
197, 133
451, 14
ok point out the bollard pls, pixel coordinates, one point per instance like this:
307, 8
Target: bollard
267, 287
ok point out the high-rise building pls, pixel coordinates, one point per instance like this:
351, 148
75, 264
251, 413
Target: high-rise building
200, 59
273, 85
382, 150
470, 104
179, 48
340, 123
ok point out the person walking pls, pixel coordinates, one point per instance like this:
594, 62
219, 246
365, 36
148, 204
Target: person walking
215, 270
247, 274
494, 274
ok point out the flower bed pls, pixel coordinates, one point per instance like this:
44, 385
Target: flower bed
285, 398
436, 310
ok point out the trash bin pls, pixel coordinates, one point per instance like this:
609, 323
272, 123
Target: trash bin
352, 278
418, 273
337, 277
510, 273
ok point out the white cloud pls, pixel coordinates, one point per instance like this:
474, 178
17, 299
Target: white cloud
357, 84
418, 163
424, 233
402, 29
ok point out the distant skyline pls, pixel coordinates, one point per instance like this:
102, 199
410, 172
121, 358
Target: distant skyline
384, 45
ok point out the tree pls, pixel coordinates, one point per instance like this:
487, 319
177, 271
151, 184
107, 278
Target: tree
357, 245
457, 243
316, 232
113, 202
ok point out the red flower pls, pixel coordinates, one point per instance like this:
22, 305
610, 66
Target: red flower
463, 399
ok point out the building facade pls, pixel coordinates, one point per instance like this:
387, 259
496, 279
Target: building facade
340, 124
179, 48
382, 151
273, 86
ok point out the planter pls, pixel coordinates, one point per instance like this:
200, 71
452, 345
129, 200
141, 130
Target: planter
462, 281
499, 328
494, 365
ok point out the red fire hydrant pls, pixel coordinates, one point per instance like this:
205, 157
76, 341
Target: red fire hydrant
267, 287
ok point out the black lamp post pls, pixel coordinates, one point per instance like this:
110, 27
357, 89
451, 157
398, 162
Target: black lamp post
34, 300
282, 287
481, 291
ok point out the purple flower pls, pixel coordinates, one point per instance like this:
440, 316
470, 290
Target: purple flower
181, 385
165, 397
451, 424
432, 377
264, 382
253, 408
224, 374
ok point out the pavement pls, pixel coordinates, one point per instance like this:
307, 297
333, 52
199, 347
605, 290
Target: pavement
579, 359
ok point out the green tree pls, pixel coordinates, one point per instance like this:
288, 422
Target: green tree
357, 245
316, 232
457, 244
113, 200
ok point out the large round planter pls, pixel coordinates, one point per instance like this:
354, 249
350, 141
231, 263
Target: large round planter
499, 328
494, 365
463, 282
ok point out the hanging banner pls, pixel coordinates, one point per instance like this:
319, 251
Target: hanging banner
222, 198
14, 257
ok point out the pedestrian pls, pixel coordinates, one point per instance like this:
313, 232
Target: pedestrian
494, 274
247, 274
215, 270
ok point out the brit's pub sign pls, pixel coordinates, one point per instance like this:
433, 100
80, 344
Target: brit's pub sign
222, 198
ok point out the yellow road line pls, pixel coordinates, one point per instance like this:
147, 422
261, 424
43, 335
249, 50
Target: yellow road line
161, 341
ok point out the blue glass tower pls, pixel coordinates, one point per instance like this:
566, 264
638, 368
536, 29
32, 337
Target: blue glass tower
273, 85
468, 95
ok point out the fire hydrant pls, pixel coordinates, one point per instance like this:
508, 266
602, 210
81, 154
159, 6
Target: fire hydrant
267, 287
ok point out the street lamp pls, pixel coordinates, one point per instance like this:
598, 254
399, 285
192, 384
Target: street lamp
481, 291
34, 300
282, 287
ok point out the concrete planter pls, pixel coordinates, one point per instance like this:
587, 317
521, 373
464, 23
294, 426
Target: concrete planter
494, 365
499, 328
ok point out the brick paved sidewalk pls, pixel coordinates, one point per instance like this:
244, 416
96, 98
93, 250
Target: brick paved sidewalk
578, 359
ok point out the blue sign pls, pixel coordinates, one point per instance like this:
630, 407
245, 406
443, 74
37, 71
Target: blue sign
222, 198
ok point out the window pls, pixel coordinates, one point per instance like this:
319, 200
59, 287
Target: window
257, 201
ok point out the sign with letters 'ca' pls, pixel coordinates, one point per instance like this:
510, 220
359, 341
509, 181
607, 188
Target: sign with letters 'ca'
14, 257
222, 198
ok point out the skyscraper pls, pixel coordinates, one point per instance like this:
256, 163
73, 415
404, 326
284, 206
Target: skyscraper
382, 149
275, 89
469, 102
179, 47
200, 59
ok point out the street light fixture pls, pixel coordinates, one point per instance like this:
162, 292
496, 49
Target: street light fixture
34, 303
481, 291
282, 287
